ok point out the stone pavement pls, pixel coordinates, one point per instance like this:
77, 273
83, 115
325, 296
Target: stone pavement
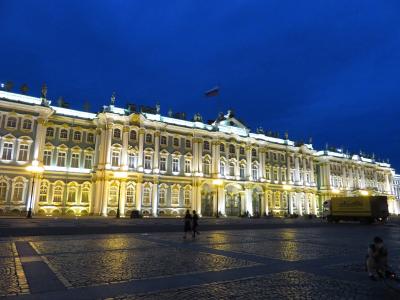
275, 263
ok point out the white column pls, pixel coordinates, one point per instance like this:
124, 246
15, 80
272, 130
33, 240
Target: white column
261, 169
104, 209
141, 149
249, 199
195, 156
154, 203
97, 196
266, 203
198, 202
299, 204
221, 199
139, 194
314, 203
307, 204
124, 154
108, 143
122, 200
312, 179
215, 158
39, 141
248, 163
297, 170
156, 168
36, 190
290, 199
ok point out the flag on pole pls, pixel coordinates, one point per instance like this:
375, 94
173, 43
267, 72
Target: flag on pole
212, 92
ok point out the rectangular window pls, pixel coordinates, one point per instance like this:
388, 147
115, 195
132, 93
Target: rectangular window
71, 195
23, 153
132, 135
187, 166
130, 195
7, 151
132, 161
283, 175
241, 171
115, 159
50, 132
206, 145
267, 173
12, 122
47, 157
241, 150
162, 197
149, 138
163, 140
255, 173
64, 134
292, 176
146, 196
90, 137
147, 162
175, 197
77, 135
206, 167
176, 142
27, 125
61, 159
175, 165
188, 143
187, 197
163, 164
275, 175
75, 160
88, 161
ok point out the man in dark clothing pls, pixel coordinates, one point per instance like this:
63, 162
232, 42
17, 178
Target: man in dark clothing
187, 223
195, 223
377, 259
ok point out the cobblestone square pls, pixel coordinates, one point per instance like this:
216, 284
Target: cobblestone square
316, 262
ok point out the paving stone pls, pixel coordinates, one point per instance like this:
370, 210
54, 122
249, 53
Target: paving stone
286, 285
85, 245
111, 266
284, 250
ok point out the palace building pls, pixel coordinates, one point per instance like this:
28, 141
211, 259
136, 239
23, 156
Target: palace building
169, 164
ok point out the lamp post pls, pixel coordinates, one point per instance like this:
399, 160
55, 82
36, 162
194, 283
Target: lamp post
120, 176
217, 183
35, 169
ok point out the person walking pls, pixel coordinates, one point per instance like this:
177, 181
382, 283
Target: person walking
187, 223
377, 259
195, 223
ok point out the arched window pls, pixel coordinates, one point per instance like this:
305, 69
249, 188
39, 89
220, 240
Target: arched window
23, 152
132, 135
50, 132
18, 191
58, 193
64, 134
44, 191
222, 168
132, 160
146, 196
162, 196
175, 164
3, 191
254, 172
149, 138
242, 171
231, 149
85, 193
113, 195
277, 200
90, 137
232, 169
130, 195
12, 122
27, 124
117, 133
77, 135
115, 158
175, 196
72, 191
206, 166
187, 197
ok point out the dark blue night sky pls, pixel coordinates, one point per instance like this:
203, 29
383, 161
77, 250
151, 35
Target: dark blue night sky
329, 70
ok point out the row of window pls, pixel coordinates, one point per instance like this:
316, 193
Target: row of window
12, 123
58, 193
18, 190
7, 153
64, 133
61, 161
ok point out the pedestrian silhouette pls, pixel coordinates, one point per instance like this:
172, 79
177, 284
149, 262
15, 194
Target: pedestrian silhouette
187, 223
195, 223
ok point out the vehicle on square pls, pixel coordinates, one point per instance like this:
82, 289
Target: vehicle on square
366, 209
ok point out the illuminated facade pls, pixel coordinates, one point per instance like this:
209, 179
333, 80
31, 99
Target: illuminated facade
170, 163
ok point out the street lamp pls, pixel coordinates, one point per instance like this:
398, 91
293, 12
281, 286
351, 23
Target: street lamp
119, 175
217, 183
35, 169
